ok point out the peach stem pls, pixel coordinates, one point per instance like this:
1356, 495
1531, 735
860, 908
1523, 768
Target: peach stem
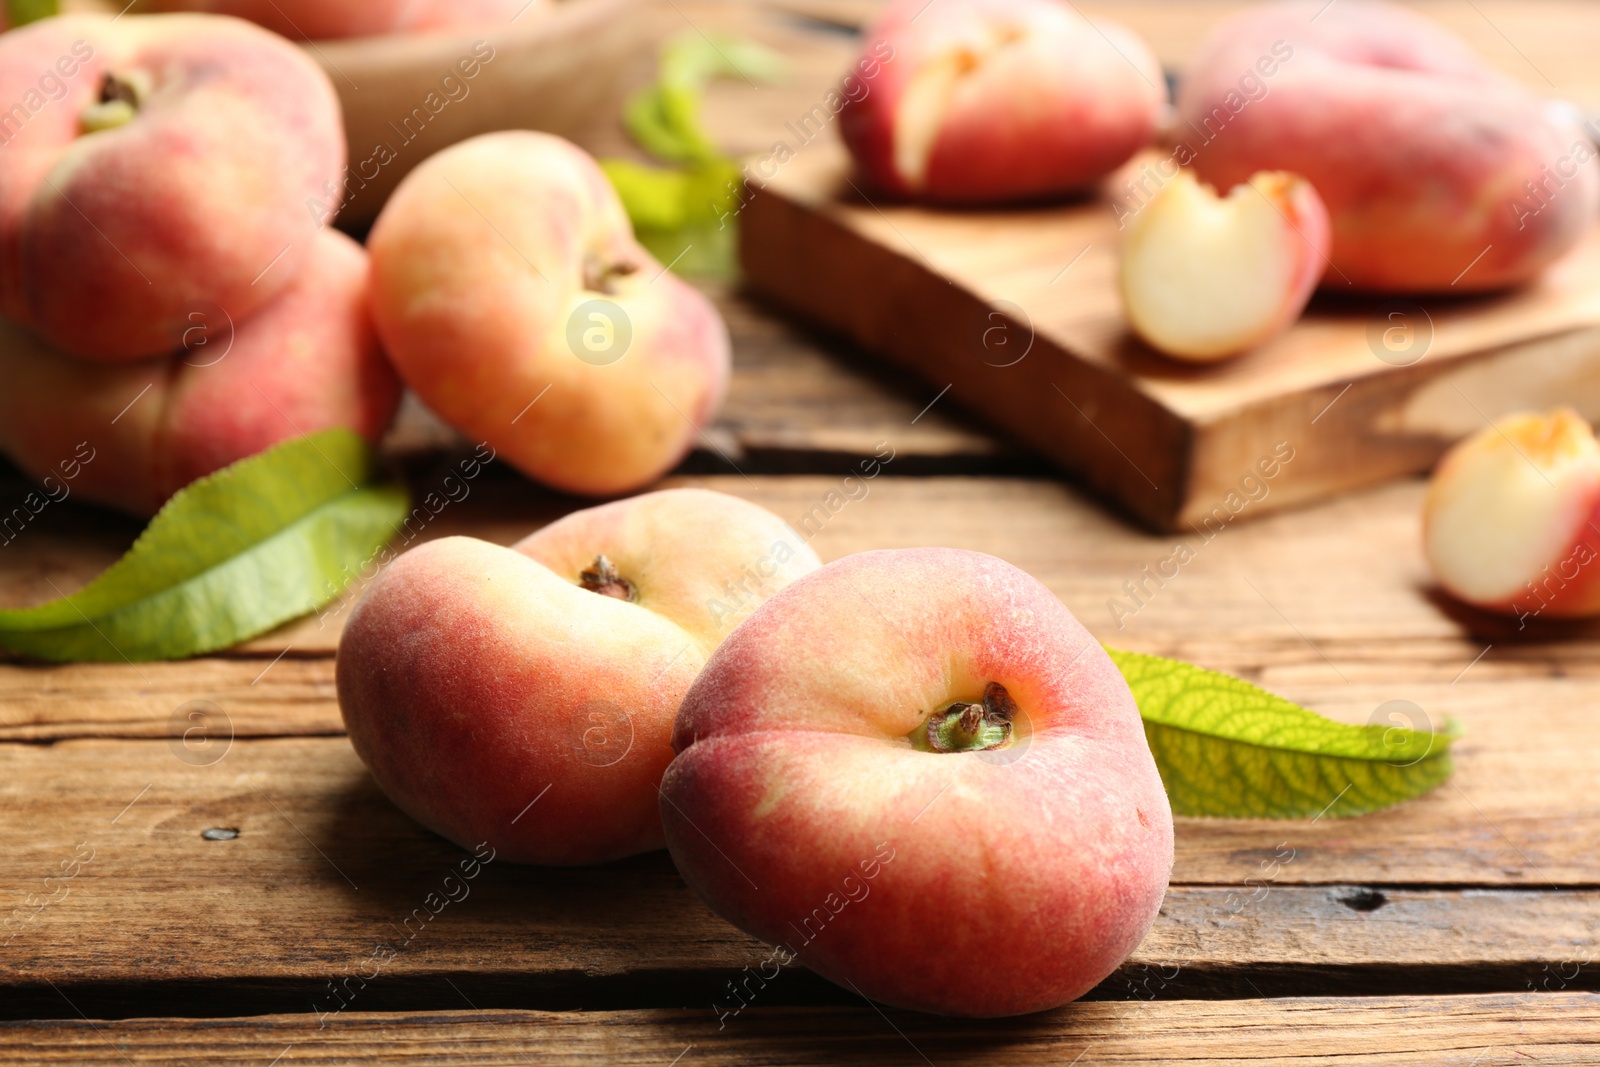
599, 274
120, 99
971, 727
603, 578
115, 87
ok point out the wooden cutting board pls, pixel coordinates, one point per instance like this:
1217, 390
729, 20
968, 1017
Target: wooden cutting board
1016, 314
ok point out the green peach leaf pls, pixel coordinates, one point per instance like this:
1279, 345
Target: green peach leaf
713, 191
666, 124
703, 250
22, 12
665, 118
692, 59
685, 216
654, 198
231, 556
1230, 749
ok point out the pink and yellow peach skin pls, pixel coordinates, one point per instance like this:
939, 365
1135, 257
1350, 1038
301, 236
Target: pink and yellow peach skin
998, 100
1020, 876
314, 20
308, 361
1440, 174
189, 184
495, 263
497, 697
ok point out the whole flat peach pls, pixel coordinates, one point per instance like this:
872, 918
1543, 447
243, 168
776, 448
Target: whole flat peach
151, 166
987, 101
917, 773
1439, 173
308, 361
525, 696
512, 297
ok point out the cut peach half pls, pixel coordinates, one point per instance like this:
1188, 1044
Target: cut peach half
1510, 519
1205, 277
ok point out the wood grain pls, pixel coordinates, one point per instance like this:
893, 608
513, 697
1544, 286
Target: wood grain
1468, 1031
1496, 823
1522, 810
323, 869
804, 402
261, 697
1313, 601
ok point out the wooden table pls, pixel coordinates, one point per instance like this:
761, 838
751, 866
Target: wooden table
224, 904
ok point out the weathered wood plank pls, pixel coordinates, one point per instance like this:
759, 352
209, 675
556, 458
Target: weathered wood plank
1328, 594
109, 836
245, 697
1491, 825
1322, 1032
804, 401
1520, 810
267, 696
1329, 607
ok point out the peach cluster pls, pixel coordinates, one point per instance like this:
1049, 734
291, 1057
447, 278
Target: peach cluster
173, 300
168, 300
847, 744
1356, 146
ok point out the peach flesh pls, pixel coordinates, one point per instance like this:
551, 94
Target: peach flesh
1205, 277
1511, 522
